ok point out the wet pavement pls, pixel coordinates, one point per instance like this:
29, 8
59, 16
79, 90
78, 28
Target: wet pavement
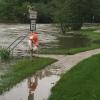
69, 61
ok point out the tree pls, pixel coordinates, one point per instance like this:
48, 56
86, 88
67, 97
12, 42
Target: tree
71, 13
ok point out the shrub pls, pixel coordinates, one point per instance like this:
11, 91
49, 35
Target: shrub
4, 54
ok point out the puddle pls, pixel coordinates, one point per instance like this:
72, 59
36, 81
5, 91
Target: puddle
4, 67
74, 41
36, 87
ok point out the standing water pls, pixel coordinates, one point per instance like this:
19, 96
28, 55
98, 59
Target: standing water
36, 87
10, 32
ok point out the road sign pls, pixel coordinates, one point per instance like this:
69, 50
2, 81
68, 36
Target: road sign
33, 15
33, 25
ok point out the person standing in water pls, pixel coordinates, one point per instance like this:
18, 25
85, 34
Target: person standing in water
33, 42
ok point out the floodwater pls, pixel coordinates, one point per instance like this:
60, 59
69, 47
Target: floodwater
73, 41
47, 37
36, 87
9, 32
4, 67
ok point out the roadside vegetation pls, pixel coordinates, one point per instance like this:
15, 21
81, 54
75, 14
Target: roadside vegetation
81, 83
52, 11
4, 54
21, 70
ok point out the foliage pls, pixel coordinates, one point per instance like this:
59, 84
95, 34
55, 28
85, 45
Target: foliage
17, 10
4, 54
70, 14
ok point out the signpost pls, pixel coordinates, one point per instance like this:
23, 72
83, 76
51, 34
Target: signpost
33, 17
32, 25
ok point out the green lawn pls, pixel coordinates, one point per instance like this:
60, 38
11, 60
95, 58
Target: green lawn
80, 83
21, 70
69, 51
91, 34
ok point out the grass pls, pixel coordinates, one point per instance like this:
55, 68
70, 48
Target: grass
92, 35
4, 54
21, 70
80, 83
69, 51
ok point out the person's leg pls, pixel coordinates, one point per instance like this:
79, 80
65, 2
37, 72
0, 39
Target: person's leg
35, 49
30, 44
30, 47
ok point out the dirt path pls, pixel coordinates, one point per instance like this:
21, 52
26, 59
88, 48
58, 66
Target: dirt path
65, 63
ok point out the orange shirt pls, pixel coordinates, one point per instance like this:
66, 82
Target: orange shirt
34, 38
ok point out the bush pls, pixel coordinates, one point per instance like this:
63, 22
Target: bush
4, 54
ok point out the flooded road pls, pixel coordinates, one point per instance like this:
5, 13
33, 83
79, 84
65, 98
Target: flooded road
36, 87
48, 37
9, 32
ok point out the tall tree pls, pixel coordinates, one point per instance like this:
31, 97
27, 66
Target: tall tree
71, 13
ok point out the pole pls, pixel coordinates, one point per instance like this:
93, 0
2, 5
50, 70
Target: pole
33, 17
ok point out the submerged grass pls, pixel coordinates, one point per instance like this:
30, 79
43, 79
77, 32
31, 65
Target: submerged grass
80, 83
69, 51
21, 70
91, 34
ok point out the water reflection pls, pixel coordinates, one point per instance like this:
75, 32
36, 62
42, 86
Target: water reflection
36, 87
32, 84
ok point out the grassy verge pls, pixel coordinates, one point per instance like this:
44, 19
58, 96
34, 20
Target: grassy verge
69, 51
93, 36
80, 83
21, 70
